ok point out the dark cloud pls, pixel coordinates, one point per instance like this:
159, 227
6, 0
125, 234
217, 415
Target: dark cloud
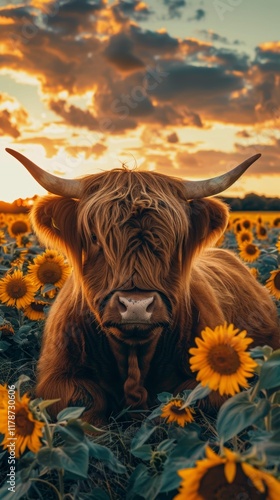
120, 53
199, 14
244, 134
175, 7
136, 9
74, 115
68, 17
173, 138
155, 41
229, 59
215, 37
13, 117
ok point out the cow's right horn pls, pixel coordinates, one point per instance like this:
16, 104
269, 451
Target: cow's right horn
71, 188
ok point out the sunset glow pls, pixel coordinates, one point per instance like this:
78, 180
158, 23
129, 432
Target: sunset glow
185, 89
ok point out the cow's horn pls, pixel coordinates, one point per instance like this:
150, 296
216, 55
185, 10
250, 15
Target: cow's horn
210, 187
70, 188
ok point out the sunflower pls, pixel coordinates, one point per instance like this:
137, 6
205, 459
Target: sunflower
249, 252
49, 268
173, 413
6, 329
17, 290
276, 222
217, 477
18, 226
19, 258
27, 430
238, 227
273, 283
278, 245
244, 236
221, 360
2, 238
246, 223
3, 222
3, 396
35, 310
261, 232
22, 240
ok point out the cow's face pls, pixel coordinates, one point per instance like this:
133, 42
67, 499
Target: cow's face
132, 238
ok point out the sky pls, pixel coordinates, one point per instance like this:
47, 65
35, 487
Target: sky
183, 87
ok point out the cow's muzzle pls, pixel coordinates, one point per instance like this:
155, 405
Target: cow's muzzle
135, 312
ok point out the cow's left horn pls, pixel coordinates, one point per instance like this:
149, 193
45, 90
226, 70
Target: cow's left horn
70, 188
211, 187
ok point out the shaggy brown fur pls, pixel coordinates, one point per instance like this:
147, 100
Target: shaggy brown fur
136, 230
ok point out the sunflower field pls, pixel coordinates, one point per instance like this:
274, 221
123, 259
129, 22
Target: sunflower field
176, 451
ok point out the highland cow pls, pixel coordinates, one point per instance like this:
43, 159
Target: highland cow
146, 280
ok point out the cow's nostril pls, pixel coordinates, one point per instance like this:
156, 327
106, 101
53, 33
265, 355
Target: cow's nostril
122, 307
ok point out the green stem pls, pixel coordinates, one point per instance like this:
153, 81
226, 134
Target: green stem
254, 391
267, 422
47, 430
61, 482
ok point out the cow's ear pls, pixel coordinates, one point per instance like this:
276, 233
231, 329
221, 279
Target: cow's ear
54, 220
209, 219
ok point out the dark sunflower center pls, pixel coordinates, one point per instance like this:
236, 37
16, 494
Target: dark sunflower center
6, 330
277, 281
38, 306
245, 237
215, 486
276, 222
251, 249
262, 231
19, 227
246, 224
223, 359
177, 410
49, 272
16, 288
24, 427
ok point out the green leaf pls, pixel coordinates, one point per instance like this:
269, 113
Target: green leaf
4, 345
71, 433
72, 458
189, 445
270, 372
105, 455
144, 452
166, 445
156, 413
170, 478
48, 288
164, 397
199, 392
239, 412
143, 484
71, 412
44, 404
140, 438
95, 494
